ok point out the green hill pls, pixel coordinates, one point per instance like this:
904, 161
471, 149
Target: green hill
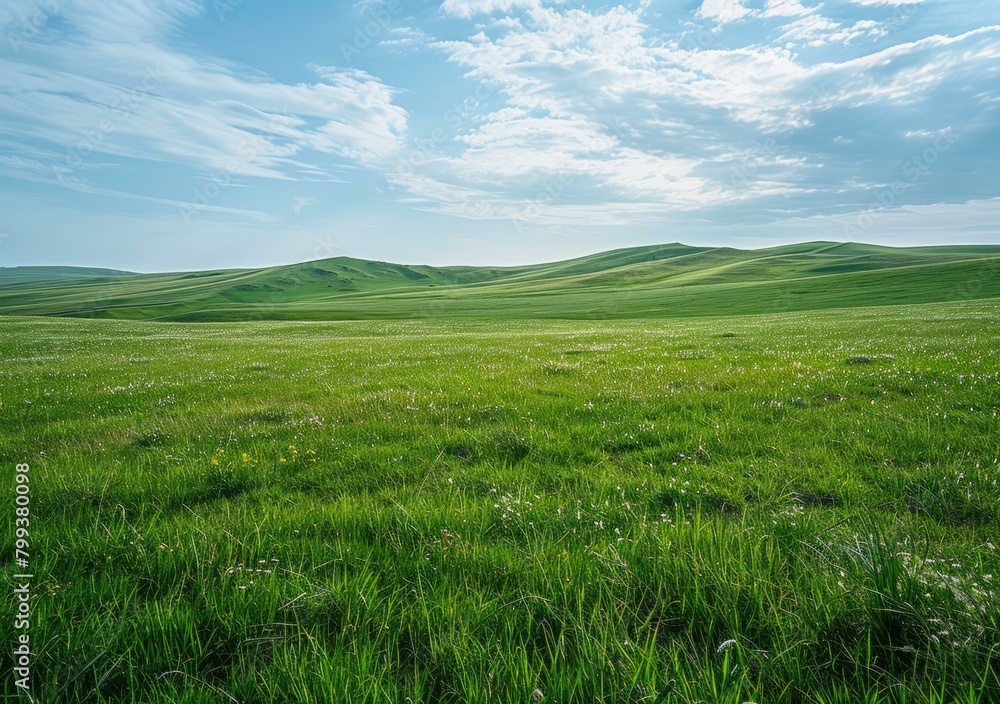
671, 280
17, 275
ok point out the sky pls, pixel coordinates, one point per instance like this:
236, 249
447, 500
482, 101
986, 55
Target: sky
164, 135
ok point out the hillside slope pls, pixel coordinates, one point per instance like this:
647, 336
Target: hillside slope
17, 275
656, 281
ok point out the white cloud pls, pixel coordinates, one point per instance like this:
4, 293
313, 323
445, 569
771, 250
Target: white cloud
723, 11
469, 8
555, 128
785, 8
815, 30
404, 38
902, 74
891, 3
21, 164
573, 114
962, 222
136, 97
562, 74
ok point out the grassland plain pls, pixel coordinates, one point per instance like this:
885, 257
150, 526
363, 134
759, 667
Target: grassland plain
782, 508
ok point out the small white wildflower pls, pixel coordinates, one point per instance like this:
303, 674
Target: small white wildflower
725, 645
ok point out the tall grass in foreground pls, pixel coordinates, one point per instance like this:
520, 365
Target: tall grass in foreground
770, 510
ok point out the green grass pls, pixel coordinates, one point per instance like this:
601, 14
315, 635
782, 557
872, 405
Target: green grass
18, 275
799, 507
671, 280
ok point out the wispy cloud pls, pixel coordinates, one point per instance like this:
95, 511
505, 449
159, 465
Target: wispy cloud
723, 10
469, 8
891, 3
137, 98
401, 38
556, 115
610, 109
785, 8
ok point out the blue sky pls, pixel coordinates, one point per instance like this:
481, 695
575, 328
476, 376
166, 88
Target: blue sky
158, 135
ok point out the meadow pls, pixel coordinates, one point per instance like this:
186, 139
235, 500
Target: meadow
796, 507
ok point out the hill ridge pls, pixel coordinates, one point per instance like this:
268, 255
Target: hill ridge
667, 280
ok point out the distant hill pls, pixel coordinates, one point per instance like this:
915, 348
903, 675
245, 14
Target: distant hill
670, 280
17, 275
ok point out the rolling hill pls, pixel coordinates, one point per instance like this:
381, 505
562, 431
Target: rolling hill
672, 280
12, 276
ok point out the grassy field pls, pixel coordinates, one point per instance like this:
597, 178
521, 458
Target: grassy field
671, 280
782, 508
